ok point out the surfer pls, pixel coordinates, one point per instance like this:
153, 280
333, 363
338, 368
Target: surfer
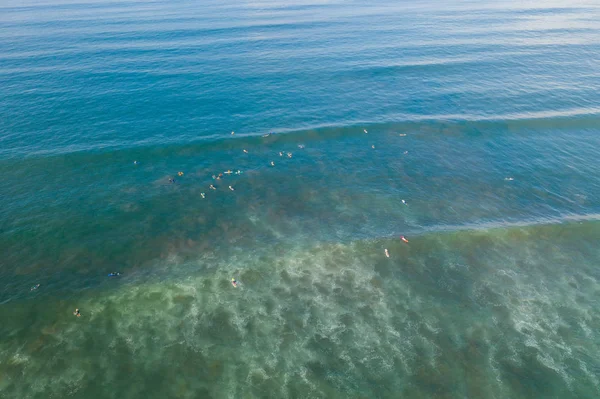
234, 283
212, 187
76, 313
231, 188
114, 274
387, 253
289, 154
272, 163
403, 239
35, 287
203, 195
179, 173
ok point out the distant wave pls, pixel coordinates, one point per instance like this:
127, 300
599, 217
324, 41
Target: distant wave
578, 118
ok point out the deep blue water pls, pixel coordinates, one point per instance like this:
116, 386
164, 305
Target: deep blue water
471, 128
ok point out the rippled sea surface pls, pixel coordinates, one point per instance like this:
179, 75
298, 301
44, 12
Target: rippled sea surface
470, 128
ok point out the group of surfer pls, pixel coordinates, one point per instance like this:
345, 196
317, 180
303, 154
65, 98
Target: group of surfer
234, 282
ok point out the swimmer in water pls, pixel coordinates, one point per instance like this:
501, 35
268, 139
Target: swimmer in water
272, 163
365, 130
203, 195
373, 147
171, 180
231, 188
280, 153
403, 239
135, 162
234, 283
212, 187
35, 287
300, 145
387, 253
76, 313
289, 154
239, 172
114, 274
179, 173
232, 132
246, 151
509, 179
404, 202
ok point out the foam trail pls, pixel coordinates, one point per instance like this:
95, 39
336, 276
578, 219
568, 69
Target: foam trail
332, 320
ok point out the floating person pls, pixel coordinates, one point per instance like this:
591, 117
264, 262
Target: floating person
114, 274
289, 154
246, 151
179, 173
231, 188
234, 283
403, 239
76, 313
280, 153
404, 202
35, 287
387, 253
212, 187
203, 195
365, 130
272, 163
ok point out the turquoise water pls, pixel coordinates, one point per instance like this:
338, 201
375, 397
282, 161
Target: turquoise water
482, 138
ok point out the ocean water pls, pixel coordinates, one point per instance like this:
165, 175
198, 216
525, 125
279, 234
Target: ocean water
472, 128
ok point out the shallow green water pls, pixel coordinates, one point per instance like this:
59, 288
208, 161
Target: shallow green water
503, 312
